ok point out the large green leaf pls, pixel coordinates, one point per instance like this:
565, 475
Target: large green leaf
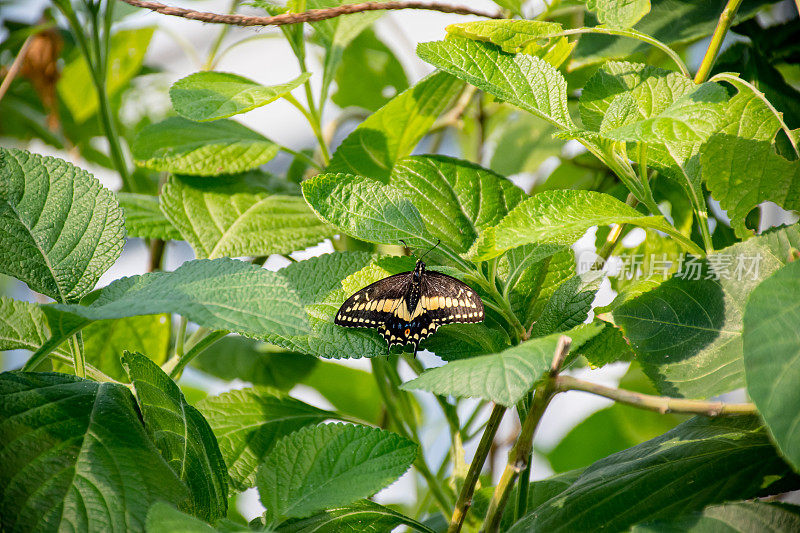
672, 22
366, 209
329, 465
687, 332
105, 340
22, 325
182, 435
221, 294
771, 356
259, 363
618, 14
369, 74
522, 143
247, 424
363, 516
394, 130
511, 36
59, 228
350, 390
700, 462
143, 218
164, 518
201, 149
742, 173
562, 217
503, 378
205, 96
523, 80
456, 199
239, 216
325, 283
126, 52
733, 517
74, 456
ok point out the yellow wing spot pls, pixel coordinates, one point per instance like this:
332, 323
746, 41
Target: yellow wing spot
387, 305
448, 302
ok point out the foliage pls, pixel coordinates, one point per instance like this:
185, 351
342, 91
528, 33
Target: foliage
101, 431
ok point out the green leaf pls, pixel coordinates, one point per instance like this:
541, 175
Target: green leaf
460, 341
105, 340
607, 347
324, 283
329, 465
205, 96
687, 332
369, 74
771, 354
235, 357
350, 390
523, 80
562, 217
22, 325
742, 173
532, 285
239, 216
247, 424
164, 518
61, 230
126, 52
76, 457
618, 14
456, 199
503, 378
366, 209
394, 130
220, 294
691, 118
672, 22
143, 218
569, 305
523, 142
182, 435
652, 89
511, 36
363, 516
700, 462
733, 517
201, 149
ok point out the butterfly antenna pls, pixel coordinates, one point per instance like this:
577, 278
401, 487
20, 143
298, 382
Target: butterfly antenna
409, 248
438, 242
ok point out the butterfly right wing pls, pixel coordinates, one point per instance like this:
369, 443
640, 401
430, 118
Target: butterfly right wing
375, 304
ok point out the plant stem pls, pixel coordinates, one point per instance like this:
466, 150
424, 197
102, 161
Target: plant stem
77, 354
723, 24
91, 371
212, 54
193, 352
15, 66
181, 337
661, 404
468, 489
520, 454
313, 121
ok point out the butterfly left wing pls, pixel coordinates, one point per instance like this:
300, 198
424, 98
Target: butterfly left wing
375, 304
447, 300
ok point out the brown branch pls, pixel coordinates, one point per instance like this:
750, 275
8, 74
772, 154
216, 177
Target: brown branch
661, 404
312, 15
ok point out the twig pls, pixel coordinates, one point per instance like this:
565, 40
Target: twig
661, 404
520, 454
468, 489
724, 23
312, 15
15, 66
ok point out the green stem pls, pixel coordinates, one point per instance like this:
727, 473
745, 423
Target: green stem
77, 354
468, 489
193, 352
723, 24
313, 121
632, 34
520, 454
91, 371
209, 64
181, 337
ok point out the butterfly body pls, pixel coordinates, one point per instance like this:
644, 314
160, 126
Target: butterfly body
409, 307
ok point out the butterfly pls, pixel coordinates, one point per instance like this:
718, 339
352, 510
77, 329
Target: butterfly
409, 307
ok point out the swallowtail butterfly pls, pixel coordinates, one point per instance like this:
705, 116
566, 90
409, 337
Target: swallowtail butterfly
407, 308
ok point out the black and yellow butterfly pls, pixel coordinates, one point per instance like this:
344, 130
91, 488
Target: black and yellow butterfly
408, 307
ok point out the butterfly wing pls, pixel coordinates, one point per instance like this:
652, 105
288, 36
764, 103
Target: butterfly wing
375, 304
447, 300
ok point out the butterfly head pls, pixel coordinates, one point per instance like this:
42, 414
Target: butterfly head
419, 270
